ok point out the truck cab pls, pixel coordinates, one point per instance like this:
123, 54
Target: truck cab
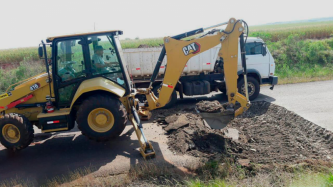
260, 66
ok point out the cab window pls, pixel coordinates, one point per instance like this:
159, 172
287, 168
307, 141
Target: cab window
70, 62
70, 66
104, 60
254, 48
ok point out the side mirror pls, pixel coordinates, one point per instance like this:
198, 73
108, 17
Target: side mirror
40, 52
264, 50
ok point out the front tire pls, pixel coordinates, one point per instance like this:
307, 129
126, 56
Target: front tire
16, 132
253, 87
101, 117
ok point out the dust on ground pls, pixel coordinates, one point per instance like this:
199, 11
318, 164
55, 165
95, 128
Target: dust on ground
266, 133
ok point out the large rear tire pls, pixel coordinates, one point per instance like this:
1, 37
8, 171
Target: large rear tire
101, 117
16, 132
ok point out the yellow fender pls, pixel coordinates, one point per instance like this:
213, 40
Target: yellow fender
98, 83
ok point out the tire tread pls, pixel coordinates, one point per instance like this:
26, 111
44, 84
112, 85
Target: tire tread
91, 102
28, 136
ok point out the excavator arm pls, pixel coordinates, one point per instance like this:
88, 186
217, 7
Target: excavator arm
180, 51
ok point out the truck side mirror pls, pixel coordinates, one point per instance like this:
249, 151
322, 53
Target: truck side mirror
264, 50
40, 52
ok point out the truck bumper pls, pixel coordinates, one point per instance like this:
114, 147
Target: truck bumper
273, 80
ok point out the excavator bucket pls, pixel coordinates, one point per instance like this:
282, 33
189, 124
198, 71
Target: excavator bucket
217, 120
214, 114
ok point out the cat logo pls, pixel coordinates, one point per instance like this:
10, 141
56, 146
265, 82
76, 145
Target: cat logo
191, 49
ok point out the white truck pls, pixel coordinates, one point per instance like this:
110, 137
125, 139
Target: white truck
204, 72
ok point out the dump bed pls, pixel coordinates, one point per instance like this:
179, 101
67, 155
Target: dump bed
141, 61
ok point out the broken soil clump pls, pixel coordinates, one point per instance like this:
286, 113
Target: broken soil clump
266, 133
210, 106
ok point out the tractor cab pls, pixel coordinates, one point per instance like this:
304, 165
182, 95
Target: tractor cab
79, 57
88, 65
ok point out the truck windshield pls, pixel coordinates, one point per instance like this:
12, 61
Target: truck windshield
104, 60
254, 48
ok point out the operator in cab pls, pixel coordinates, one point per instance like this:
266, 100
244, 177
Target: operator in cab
99, 65
97, 59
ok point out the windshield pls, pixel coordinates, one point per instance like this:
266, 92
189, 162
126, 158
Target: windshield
104, 60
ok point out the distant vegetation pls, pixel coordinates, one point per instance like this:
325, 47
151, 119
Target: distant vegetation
278, 32
151, 42
302, 52
24, 71
18, 55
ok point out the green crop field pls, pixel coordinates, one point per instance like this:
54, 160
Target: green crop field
302, 51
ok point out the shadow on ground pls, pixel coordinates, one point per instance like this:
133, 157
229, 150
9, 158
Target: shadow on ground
66, 153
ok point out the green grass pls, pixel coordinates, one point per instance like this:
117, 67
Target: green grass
211, 183
24, 71
151, 42
211, 174
306, 179
308, 30
20, 54
313, 180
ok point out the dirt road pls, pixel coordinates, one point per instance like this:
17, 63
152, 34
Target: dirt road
57, 155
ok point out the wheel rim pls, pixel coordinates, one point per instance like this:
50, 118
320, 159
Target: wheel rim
251, 88
11, 133
100, 120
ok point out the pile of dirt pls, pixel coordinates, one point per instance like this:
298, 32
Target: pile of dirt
266, 133
210, 106
274, 134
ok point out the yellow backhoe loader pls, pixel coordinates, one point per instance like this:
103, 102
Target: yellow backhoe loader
83, 85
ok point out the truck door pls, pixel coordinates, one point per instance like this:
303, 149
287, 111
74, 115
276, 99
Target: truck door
256, 58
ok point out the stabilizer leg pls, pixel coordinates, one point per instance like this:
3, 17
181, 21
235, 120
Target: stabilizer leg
146, 149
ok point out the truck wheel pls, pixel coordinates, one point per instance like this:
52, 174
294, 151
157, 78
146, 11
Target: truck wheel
172, 100
16, 132
101, 117
253, 87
